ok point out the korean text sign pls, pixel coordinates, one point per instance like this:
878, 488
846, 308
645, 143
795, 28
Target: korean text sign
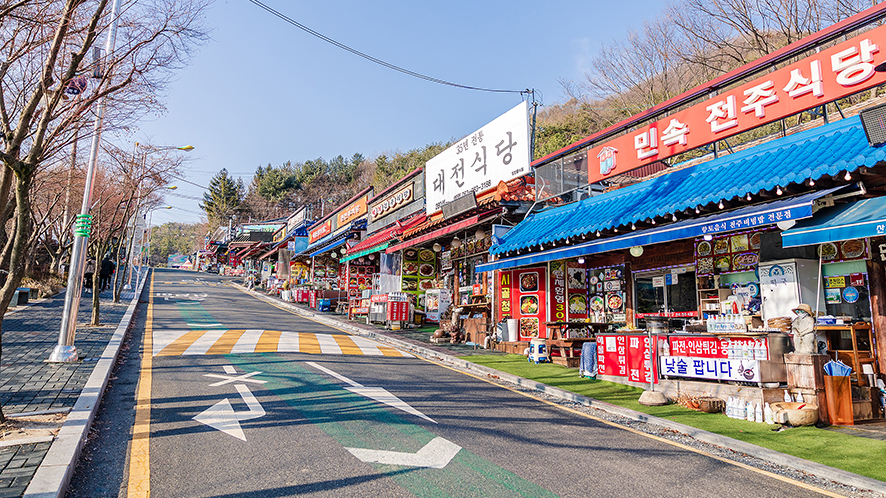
497, 152
831, 74
629, 356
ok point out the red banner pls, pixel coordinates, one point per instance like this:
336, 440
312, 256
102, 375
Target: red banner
398, 311
629, 356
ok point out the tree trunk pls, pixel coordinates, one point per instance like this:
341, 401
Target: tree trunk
18, 252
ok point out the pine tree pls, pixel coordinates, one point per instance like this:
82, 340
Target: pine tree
222, 199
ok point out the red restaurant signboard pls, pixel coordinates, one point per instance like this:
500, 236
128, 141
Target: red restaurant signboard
831, 74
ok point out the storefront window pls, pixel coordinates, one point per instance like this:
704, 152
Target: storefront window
666, 292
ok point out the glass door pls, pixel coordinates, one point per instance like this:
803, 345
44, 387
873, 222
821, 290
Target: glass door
666, 293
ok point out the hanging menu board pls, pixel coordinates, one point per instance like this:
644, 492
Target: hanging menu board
326, 271
606, 287
419, 273
359, 279
728, 254
523, 296
577, 290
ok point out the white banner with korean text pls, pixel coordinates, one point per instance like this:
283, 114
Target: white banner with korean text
496, 152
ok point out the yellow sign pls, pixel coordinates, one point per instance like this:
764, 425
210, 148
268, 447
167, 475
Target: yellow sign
835, 282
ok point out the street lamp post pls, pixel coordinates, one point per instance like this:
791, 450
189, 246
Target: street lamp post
65, 351
148, 246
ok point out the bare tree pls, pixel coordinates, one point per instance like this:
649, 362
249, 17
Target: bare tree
45, 49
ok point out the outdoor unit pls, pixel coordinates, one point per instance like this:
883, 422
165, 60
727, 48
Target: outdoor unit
873, 120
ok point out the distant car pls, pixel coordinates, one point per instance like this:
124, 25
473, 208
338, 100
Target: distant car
212, 269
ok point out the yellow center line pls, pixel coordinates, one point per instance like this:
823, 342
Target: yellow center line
139, 452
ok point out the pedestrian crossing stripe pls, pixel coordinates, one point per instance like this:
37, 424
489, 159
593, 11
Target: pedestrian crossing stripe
227, 341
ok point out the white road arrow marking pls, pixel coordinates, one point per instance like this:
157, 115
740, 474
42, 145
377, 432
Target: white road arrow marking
379, 394
238, 378
436, 455
222, 416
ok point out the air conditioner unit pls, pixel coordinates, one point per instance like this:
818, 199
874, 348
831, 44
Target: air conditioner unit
873, 120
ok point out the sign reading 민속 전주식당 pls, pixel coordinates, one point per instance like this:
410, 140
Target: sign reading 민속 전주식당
823, 77
496, 152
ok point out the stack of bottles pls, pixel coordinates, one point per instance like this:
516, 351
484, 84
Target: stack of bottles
752, 412
726, 323
745, 350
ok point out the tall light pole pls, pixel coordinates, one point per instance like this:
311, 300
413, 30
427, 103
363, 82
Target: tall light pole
65, 351
148, 251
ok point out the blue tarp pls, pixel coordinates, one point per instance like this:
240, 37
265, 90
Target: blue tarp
770, 213
828, 150
856, 220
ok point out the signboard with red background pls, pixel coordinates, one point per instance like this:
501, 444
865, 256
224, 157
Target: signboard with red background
522, 295
320, 231
837, 72
628, 356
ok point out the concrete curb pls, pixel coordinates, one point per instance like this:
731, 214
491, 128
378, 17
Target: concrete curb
54, 473
823, 471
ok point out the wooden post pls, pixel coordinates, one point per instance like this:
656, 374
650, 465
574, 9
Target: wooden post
877, 280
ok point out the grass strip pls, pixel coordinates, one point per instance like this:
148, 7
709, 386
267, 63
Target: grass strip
860, 455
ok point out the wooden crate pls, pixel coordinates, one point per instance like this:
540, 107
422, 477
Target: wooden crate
805, 371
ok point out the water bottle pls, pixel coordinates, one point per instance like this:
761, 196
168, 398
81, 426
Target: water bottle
768, 416
749, 412
799, 397
758, 413
787, 396
730, 407
742, 409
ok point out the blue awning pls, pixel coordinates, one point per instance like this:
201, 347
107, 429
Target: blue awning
856, 220
826, 151
760, 215
330, 246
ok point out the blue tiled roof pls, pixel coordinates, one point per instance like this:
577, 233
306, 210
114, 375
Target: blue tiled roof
827, 150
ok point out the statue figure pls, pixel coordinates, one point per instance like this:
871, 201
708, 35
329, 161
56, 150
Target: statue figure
803, 328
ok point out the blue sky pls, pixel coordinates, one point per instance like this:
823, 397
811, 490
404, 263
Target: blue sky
262, 91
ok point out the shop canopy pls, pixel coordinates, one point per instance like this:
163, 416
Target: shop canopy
745, 218
856, 220
435, 234
335, 242
828, 150
380, 240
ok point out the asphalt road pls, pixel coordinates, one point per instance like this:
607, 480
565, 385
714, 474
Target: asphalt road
248, 400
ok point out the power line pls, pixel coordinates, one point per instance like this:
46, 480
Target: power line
376, 60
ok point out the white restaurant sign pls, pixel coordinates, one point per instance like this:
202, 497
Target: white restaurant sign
496, 152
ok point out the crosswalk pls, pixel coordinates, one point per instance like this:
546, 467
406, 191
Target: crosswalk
228, 341
193, 282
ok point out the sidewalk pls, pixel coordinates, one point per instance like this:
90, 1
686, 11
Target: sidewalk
419, 343
28, 384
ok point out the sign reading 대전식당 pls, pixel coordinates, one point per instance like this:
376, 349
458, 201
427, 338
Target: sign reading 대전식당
497, 152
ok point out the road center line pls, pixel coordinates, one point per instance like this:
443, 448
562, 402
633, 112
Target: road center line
139, 485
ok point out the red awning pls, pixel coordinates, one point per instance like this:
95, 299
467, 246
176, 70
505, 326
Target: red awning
243, 251
435, 234
386, 235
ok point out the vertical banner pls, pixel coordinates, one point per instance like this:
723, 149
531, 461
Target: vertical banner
558, 291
